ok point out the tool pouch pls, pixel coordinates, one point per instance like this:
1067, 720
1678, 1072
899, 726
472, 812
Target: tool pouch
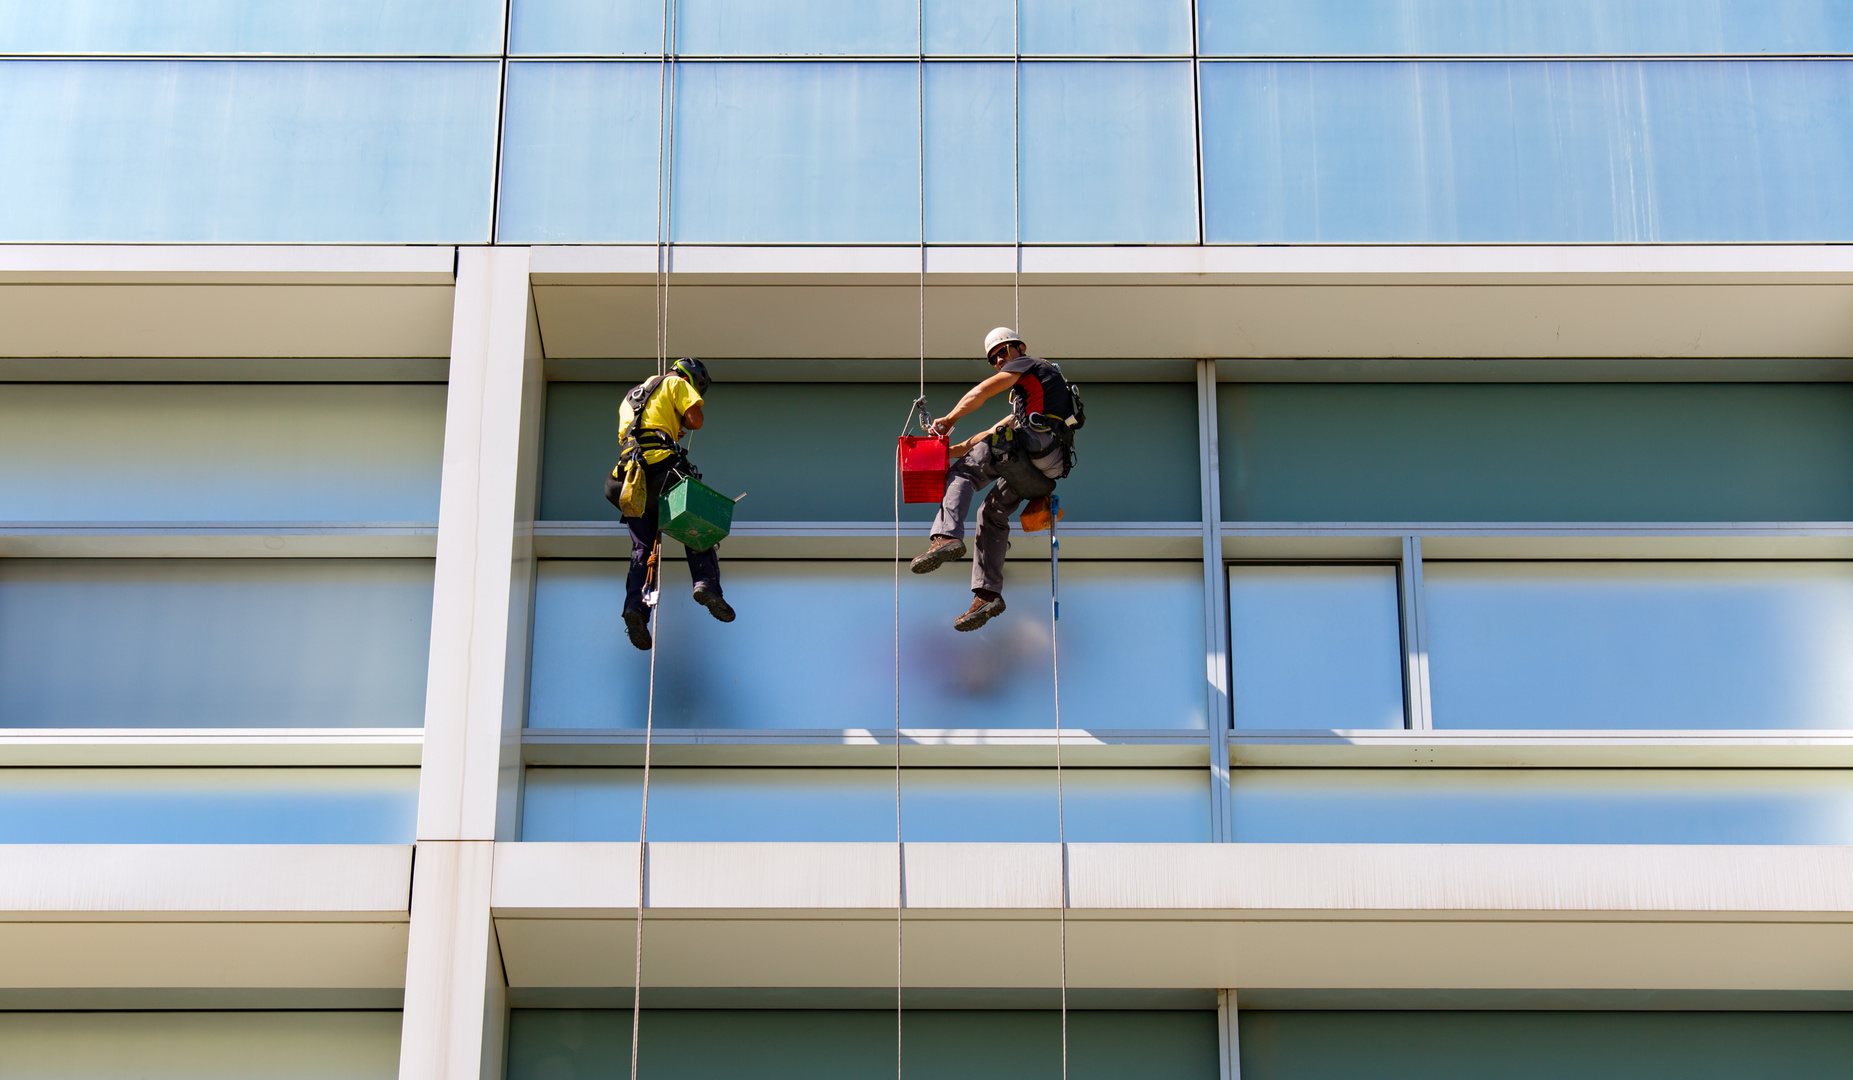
634, 498
1035, 516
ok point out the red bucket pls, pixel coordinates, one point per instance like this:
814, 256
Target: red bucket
923, 468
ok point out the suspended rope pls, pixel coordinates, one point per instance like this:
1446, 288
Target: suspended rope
652, 585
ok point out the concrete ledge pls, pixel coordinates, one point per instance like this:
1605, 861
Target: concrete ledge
210, 746
1025, 747
220, 881
875, 540
226, 263
218, 539
1543, 749
1285, 917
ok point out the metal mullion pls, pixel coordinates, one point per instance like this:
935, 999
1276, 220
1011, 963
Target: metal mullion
1215, 604
1418, 715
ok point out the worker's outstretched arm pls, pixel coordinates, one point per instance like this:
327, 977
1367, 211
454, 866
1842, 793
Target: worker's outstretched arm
975, 397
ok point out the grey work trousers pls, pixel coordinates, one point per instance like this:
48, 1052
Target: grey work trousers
963, 479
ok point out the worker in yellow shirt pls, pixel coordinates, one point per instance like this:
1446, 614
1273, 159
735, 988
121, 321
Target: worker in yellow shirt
650, 424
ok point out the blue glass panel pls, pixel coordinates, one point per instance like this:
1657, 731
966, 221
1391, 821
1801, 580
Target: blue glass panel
844, 805
1528, 152
809, 28
797, 152
970, 112
1538, 806
579, 153
1106, 27
167, 1044
220, 453
208, 806
1315, 647
970, 27
282, 151
811, 649
1521, 27
586, 27
188, 643
275, 27
1109, 153
1641, 645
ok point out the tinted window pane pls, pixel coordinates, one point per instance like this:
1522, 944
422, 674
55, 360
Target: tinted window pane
852, 427
1641, 645
289, 152
290, 27
1122, 806
1560, 452
123, 643
1538, 806
1109, 153
971, 27
1335, 1045
1536, 27
586, 27
970, 114
579, 153
812, 649
938, 1044
1528, 152
168, 1045
797, 152
1315, 647
220, 453
809, 28
208, 806
1106, 27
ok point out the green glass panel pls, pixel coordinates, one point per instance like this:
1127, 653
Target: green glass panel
825, 451
1337, 1045
816, 1044
1537, 452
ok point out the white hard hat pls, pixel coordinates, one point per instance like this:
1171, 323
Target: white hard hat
1003, 335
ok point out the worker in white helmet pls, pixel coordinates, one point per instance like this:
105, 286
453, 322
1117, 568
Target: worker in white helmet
1024, 454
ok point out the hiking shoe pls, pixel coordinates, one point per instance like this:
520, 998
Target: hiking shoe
709, 596
985, 607
944, 550
637, 625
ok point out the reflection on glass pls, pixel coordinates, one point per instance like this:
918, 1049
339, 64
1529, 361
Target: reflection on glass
579, 153
1448, 152
1641, 645
1125, 806
190, 151
1315, 647
585, 28
796, 152
276, 27
208, 806
812, 649
168, 1044
1106, 27
1542, 806
970, 113
202, 452
1109, 153
191, 643
1533, 27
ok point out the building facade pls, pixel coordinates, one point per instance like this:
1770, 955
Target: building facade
1455, 647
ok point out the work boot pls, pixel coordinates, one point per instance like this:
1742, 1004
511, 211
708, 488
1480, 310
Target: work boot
708, 595
944, 550
986, 605
637, 625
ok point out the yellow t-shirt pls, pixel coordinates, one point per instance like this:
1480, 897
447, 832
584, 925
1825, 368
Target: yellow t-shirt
663, 412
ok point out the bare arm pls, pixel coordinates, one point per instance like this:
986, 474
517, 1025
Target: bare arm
975, 397
692, 418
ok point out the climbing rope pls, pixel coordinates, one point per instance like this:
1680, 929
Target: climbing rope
665, 113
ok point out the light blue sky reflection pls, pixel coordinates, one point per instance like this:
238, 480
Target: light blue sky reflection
1543, 806
1315, 647
208, 806
1641, 645
812, 649
845, 805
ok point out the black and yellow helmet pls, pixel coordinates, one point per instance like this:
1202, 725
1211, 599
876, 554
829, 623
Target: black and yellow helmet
693, 370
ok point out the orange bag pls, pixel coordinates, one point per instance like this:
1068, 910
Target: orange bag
1035, 516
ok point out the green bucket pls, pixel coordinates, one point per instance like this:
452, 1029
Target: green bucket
695, 514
